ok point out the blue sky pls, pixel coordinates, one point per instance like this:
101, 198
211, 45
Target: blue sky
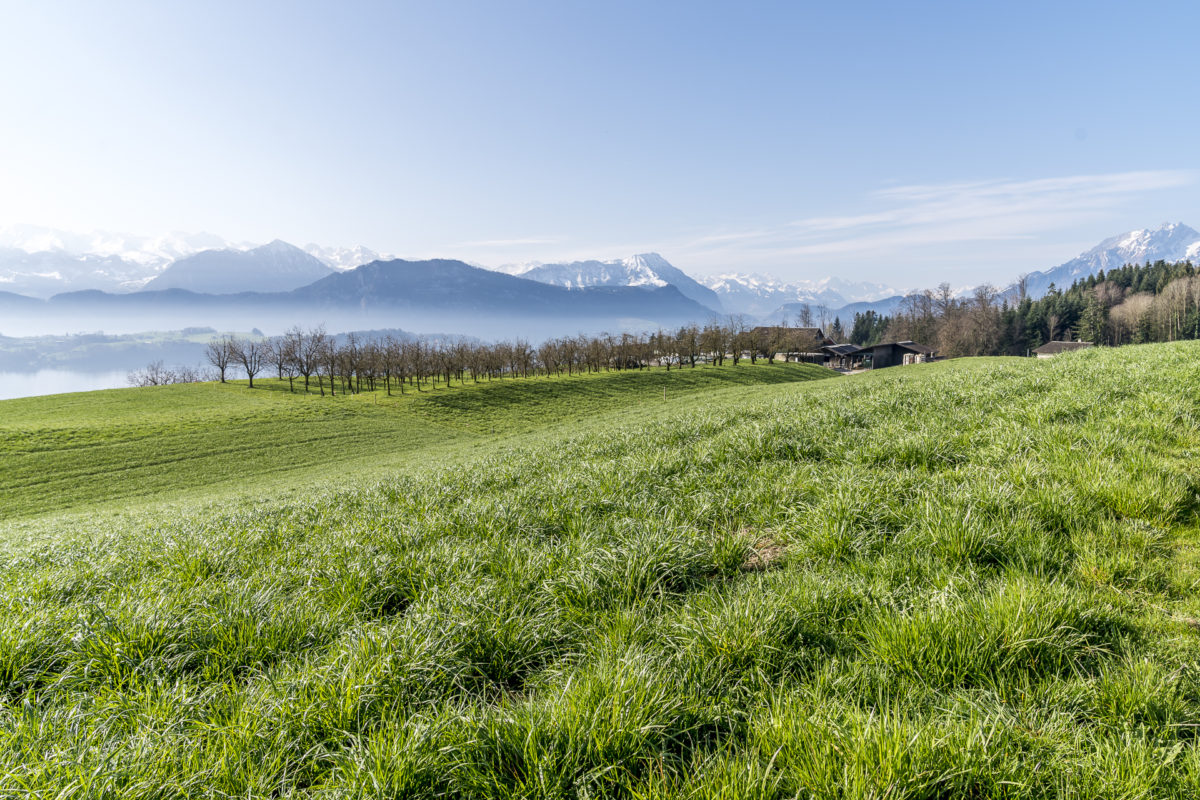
901, 143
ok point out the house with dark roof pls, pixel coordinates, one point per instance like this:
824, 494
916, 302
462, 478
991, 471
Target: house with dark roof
1050, 349
842, 356
894, 354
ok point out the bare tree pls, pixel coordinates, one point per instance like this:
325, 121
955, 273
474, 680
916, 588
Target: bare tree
391, 357
281, 356
1052, 323
1022, 287
737, 337
806, 316
1126, 318
307, 349
219, 353
155, 374
984, 321
252, 354
328, 360
822, 317
713, 341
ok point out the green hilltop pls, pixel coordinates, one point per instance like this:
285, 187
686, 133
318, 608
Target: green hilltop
974, 578
63, 451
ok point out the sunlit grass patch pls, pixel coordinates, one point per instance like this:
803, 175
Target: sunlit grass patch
965, 579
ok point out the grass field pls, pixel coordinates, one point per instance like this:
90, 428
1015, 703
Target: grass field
66, 451
968, 579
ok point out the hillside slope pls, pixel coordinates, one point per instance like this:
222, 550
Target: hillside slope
966, 579
74, 450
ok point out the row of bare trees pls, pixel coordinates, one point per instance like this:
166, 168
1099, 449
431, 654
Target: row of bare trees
158, 374
314, 359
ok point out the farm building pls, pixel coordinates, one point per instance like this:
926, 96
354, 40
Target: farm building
1050, 349
793, 344
842, 356
893, 354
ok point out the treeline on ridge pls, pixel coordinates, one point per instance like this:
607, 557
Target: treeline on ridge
354, 363
1133, 304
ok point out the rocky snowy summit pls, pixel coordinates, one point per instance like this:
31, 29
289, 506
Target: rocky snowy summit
1171, 242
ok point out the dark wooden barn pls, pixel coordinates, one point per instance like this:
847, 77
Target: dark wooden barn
842, 356
894, 354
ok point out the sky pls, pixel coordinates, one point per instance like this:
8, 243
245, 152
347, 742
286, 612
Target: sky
903, 143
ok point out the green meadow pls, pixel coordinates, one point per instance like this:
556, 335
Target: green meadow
66, 451
975, 578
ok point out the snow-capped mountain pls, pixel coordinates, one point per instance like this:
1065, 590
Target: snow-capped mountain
644, 269
149, 251
760, 294
733, 292
1171, 242
48, 272
41, 262
274, 267
343, 258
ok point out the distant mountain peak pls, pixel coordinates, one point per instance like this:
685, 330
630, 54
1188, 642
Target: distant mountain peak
277, 249
1171, 241
344, 258
450, 284
648, 260
41, 262
273, 267
755, 293
648, 270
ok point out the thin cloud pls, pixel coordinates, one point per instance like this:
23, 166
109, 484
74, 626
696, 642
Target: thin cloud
735, 236
914, 216
816, 224
998, 221
525, 242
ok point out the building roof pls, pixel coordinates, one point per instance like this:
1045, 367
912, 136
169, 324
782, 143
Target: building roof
841, 349
1053, 348
907, 344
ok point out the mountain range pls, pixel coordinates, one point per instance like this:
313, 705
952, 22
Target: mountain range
436, 294
42, 262
107, 274
762, 294
449, 285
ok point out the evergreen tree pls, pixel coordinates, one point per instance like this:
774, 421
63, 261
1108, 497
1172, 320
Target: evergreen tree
835, 332
1091, 321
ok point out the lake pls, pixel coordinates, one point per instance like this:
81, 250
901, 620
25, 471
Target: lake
56, 381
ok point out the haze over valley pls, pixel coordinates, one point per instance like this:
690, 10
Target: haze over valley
55, 282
